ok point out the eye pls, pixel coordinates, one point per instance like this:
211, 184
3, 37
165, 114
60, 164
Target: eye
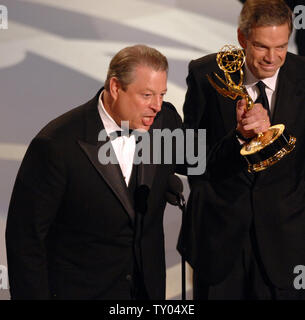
283, 47
147, 95
259, 46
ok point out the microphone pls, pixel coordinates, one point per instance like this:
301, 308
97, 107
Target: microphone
174, 194
175, 197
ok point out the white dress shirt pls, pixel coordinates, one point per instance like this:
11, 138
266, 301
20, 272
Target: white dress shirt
250, 82
124, 146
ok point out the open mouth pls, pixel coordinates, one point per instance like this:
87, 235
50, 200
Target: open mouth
148, 120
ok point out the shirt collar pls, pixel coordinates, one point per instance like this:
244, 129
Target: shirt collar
109, 124
251, 80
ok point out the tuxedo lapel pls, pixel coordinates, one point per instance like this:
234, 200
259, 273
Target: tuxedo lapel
111, 172
285, 108
112, 175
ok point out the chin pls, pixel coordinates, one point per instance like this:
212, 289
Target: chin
266, 74
141, 128
144, 128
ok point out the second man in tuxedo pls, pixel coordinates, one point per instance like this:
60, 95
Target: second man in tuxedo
245, 231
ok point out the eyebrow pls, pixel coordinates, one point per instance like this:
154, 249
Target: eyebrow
165, 90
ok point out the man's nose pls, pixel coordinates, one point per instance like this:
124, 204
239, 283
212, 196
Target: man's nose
157, 103
270, 56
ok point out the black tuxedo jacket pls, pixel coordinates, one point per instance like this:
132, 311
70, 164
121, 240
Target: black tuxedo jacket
226, 200
71, 221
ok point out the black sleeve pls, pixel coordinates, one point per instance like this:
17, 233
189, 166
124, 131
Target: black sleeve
194, 106
222, 157
35, 200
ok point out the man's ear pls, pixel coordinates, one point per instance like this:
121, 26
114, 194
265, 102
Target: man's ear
241, 39
114, 87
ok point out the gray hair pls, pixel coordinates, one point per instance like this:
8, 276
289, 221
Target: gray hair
124, 63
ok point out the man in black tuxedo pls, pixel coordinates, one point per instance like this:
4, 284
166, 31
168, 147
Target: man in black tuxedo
79, 228
244, 233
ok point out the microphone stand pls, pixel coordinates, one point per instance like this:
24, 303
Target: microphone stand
174, 196
182, 205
